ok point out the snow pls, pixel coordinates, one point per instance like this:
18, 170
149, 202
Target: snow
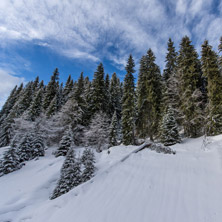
147, 186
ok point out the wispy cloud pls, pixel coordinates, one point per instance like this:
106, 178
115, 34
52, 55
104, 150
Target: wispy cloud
103, 29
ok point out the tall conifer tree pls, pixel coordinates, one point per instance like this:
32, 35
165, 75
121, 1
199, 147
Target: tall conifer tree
128, 104
211, 71
190, 85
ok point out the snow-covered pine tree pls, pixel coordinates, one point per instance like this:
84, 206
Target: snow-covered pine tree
35, 108
38, 146
10, 161
24, 149
149, 93
189, 69
67, 89
6, 132
128, 104
211, 71
65, 143
169, 129
113, 131
23, 102
88, 161
71, 113
70, 175
98, 133
8, 105
51, 110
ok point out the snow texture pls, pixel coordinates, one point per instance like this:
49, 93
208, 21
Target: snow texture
147, 186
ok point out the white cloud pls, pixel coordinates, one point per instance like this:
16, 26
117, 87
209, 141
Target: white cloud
98, 29
7, 83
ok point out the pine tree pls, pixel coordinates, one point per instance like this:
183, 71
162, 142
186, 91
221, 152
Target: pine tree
88, 160
113, 131
6, 132
8, 105
128, 104
67, 89
35, 108
190, 93
38, 146
10, 162
65, 143
23, 102
169, 129
70, 175
98, 91
220, 51
211, 71
35, 85
51, 89
98, 133
115, 96
24, 149
149, 96
52, 107
107, 96
171, 58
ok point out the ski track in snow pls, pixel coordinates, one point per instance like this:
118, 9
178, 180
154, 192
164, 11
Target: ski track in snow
147, 186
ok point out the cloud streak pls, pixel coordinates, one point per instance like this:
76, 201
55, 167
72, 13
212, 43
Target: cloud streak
101, 29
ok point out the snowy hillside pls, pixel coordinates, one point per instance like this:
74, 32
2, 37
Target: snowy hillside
147, 186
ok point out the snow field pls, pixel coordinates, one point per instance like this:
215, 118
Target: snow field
147, 186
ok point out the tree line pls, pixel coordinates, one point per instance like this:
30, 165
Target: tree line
186, 99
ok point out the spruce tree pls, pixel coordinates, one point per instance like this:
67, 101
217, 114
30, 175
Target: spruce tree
220, 51
70, 175
128, 104
10, 161
190, 93
65, 143
169, 129
24, 149
149, 96
6, 132
88, 161
38, 146
35, 108
171, 58
98, 91
23, 102
211, 71
113, 131
51, 110
107, 96
8, 104
115, 96
67, 89
51, 89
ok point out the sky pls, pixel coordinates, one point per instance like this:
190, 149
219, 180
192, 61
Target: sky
36, 36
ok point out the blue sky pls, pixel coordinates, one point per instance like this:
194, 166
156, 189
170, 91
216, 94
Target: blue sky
36, 36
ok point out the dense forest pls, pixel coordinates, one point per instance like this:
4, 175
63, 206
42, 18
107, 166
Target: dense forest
184, 101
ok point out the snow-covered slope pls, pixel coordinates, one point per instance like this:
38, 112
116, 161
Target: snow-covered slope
147, 186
